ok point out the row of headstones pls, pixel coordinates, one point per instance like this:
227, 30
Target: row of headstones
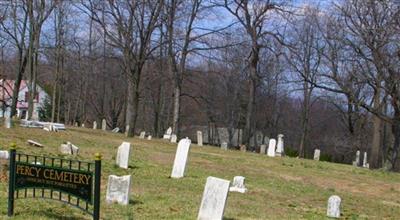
317, 154
274, 148
216, 193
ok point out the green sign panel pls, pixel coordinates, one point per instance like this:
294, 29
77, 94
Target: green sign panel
74, 182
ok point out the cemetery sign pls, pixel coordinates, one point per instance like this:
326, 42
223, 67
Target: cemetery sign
70, 181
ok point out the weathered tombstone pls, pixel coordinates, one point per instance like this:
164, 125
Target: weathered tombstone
115, 130
173, 138
142, 135
83, 125
168, 133
76, 124
149, 137
365, 161
103, 124
271, 147
181, 158
357, 161
224, 146
280, 151
34, 143
263, 148
334, 207
199, 138
69, 148
238, 185
95, 125
7, 122
317, 153
4, 155
123, 154
243, 148
118, 189
214, 199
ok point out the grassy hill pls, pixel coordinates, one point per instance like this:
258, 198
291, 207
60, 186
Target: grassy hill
279, 188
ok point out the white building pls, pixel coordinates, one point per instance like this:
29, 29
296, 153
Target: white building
6, 90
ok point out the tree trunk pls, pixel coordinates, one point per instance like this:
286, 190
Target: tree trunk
376, 135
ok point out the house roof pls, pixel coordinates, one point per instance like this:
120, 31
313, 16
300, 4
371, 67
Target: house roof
6, 90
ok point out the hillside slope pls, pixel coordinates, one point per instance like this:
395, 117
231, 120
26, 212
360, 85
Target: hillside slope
279, 188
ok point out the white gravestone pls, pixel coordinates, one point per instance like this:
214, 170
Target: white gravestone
69, 148
7, 122
280, 151
357, 161
115, 130
199, 138
263, 148
118, 189
224, 146
142, 135
123, 154
214, 199
4, 155
83, 125
334, 207
168, 133
317, 154
173, 138
103, 124
181, 158
149, 137
365, 161
271, 147
95, 125
238, 185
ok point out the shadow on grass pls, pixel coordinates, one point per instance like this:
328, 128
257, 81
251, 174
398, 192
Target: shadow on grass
52, 215
133, 167
135, 202
225, 218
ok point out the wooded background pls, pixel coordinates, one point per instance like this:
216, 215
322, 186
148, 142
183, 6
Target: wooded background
326, 76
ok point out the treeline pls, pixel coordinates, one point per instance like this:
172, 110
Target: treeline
327, 76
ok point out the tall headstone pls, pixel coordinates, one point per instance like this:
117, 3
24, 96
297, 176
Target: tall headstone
357, 161
7, 122
168, 133
103, 124
118, 189
123, 154
271, 147
95, 125
238, 185
199, 138
224, 146
181, 157
142, 135
365, 161
243, 148
280, 150
173, 138
317, 154
334, 207
214, 199
263, 148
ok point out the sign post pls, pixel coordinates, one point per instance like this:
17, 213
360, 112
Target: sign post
71, 181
